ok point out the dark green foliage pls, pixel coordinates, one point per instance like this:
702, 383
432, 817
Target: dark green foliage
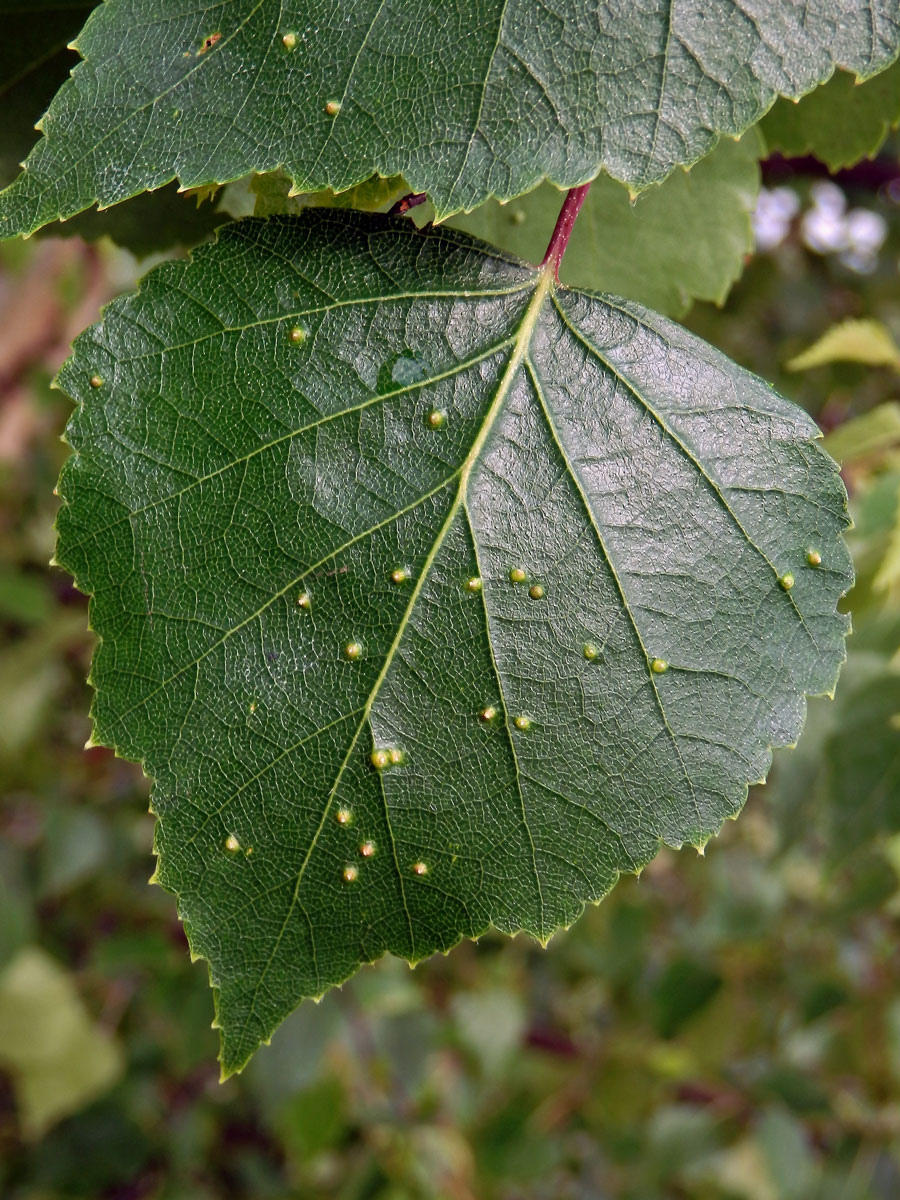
466, 99
305, 467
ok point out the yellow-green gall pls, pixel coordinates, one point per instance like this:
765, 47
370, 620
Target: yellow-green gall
473, 584
787, 581
814, 558
536, 592
353, 651
517, 575
659, 666
590, 651
522, 722
349, 874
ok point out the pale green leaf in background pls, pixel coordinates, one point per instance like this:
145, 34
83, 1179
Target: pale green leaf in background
860, 340
59, 1060
875, 432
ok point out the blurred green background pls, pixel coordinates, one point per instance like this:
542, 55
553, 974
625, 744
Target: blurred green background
726, 1028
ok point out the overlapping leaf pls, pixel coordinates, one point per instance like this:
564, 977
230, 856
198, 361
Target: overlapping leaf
34, 61
465, 99
431, 595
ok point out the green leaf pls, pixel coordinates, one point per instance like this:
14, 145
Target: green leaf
58, 1059
863, 765
274, 196
888, 577
839, 123
874, 432
311, 469
146, 224
862, 341
465, 100
684, 240
34, 62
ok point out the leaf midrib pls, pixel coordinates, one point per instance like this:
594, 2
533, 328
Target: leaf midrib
520, 349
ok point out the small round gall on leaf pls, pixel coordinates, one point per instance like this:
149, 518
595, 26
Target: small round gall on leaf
517, 575
536, 592
349, 874
659, 666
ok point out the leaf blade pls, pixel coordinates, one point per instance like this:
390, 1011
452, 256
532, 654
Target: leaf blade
653, 495
385, 88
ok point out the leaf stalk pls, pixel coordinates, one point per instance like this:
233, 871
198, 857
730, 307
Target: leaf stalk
571, 207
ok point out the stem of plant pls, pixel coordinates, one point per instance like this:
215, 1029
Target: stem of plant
564, 222
405, 203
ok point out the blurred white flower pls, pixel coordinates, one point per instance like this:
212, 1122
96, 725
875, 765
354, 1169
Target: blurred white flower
775, 209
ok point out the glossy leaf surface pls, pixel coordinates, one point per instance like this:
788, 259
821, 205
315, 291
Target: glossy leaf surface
431, 595
465, 100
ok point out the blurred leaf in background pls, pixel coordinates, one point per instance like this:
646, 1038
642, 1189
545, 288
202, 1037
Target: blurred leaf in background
59, 1061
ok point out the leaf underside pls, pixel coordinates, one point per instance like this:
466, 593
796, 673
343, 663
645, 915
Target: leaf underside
225, 466
465, 99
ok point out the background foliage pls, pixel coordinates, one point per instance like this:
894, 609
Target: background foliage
721, 1029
